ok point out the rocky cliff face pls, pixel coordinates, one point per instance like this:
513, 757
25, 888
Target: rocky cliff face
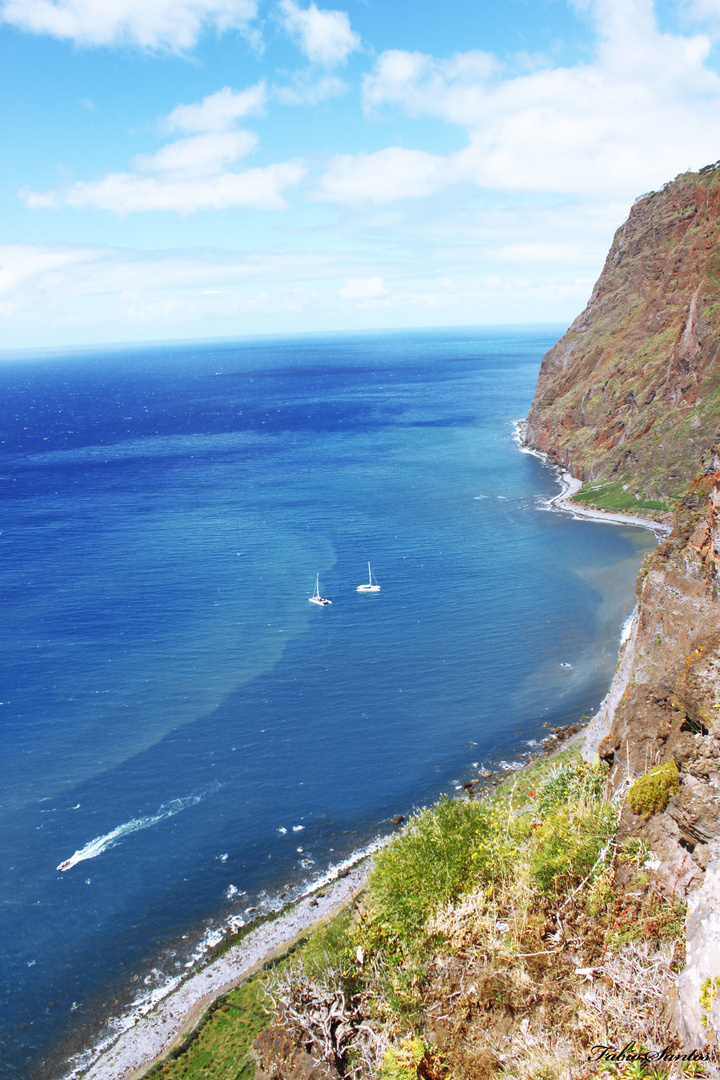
630, 397
631, 394
670, 706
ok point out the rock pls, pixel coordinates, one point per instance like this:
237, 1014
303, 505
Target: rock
696, 1009
342, 873
398, 819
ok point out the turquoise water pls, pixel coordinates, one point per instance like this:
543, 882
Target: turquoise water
178, 721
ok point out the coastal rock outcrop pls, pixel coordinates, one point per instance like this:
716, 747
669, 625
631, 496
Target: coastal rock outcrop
629, 394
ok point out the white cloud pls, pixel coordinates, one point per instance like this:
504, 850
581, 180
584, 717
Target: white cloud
307, 90
646, 107
325, 37
385, 176
173, 25
124, 193
451, 89
371, 288
193, 172
55, 294
705, 11
219, 111
502, 264
20, 263
200, 154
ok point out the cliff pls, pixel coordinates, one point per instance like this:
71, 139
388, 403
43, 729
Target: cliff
669, 708
629, 402
629, 398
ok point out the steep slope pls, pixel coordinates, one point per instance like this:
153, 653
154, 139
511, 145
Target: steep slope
670, 706
631, 394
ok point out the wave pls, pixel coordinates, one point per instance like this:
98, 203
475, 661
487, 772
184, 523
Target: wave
109, 840
627, 627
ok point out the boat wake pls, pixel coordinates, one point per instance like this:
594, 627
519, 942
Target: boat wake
104, 843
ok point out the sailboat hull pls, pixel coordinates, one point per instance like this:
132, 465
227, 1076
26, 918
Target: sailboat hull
368, 588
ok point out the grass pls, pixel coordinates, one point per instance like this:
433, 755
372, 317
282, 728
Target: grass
220, 1048
605, 496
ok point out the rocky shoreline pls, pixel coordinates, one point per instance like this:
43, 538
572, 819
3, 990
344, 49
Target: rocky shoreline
571, 486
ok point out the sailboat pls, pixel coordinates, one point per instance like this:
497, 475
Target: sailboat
316, 598
372, 585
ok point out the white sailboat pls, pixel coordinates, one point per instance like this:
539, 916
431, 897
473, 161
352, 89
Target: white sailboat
316, 598
372, 585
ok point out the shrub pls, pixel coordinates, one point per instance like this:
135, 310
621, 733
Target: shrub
636, 851
652, 791
408, 1061
443, 852
569, 843
570, 781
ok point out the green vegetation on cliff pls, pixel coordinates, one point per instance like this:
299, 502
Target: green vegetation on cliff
615, 497
484, 921
651, 793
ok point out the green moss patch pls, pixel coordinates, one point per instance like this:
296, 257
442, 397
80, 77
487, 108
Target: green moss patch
651, 793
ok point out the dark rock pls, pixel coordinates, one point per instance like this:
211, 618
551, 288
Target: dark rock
398, 819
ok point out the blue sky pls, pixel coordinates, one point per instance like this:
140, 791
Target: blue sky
203, 168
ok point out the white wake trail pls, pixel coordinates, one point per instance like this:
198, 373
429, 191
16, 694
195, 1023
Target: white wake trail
103, 843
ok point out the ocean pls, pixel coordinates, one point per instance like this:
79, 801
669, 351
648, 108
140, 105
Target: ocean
180, 727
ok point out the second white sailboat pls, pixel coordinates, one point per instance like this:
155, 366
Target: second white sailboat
372, 585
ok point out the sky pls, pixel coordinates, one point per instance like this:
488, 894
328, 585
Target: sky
193, 169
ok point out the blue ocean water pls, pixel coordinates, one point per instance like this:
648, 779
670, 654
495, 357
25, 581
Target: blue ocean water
178, 722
